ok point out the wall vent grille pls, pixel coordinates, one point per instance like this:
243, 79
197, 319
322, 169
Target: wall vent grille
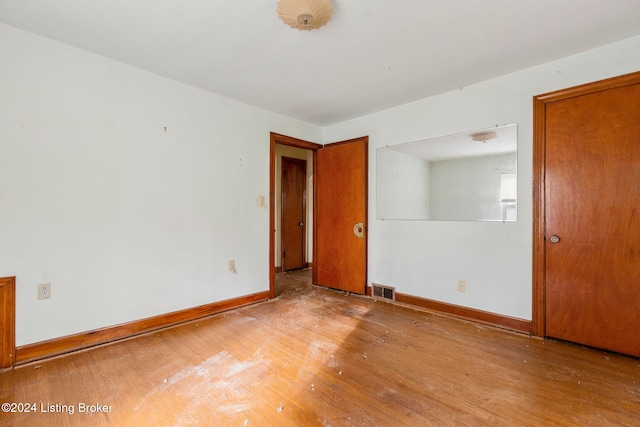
383, 292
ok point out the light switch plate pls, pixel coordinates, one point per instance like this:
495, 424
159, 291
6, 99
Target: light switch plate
44, 290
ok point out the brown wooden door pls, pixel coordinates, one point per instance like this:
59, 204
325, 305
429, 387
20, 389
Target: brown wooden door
340, 245
294, 185
592, 217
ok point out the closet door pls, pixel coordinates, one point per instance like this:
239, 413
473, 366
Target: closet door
591, 226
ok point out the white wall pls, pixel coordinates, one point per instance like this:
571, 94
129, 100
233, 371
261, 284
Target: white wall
125, 220
128, 221
426, 258
469, 187
404, 186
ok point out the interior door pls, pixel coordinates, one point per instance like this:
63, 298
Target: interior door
340, 238
592, 217
294, 184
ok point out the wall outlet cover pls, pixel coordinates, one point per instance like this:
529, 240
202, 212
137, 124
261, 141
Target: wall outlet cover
462, 286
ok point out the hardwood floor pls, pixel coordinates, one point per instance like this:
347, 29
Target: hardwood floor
316, 357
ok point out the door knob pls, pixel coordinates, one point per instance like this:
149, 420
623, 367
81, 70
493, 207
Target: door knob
300, 224
555, 239
358, 230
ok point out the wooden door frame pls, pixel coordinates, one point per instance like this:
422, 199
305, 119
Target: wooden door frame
8, 321
538, 324
292, 142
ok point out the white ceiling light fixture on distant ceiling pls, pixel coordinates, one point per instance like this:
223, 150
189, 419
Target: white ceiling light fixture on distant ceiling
305, 14
484, 136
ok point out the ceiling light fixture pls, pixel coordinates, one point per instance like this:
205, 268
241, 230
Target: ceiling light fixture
484, 136
305, 14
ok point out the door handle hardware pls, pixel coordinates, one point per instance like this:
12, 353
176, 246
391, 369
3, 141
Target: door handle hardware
300, 224
554, 239
358, 230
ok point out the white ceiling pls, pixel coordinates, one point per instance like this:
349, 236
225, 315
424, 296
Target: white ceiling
373, 54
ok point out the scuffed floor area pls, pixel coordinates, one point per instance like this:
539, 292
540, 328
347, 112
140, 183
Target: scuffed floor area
317, 357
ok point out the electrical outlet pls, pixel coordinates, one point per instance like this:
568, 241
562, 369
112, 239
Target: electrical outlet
462, 286
232, 266
44, 290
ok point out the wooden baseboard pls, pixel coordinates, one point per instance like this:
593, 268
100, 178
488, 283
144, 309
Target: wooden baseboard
472, 314
57, 346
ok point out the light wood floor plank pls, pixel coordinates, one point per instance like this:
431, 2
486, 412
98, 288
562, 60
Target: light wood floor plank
316, 357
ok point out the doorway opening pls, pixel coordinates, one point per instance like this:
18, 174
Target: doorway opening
298, 155
337, 189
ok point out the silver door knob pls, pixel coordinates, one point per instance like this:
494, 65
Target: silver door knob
555, 239
300, 224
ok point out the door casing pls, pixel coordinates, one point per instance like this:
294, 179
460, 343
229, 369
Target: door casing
276, 139
7, 321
